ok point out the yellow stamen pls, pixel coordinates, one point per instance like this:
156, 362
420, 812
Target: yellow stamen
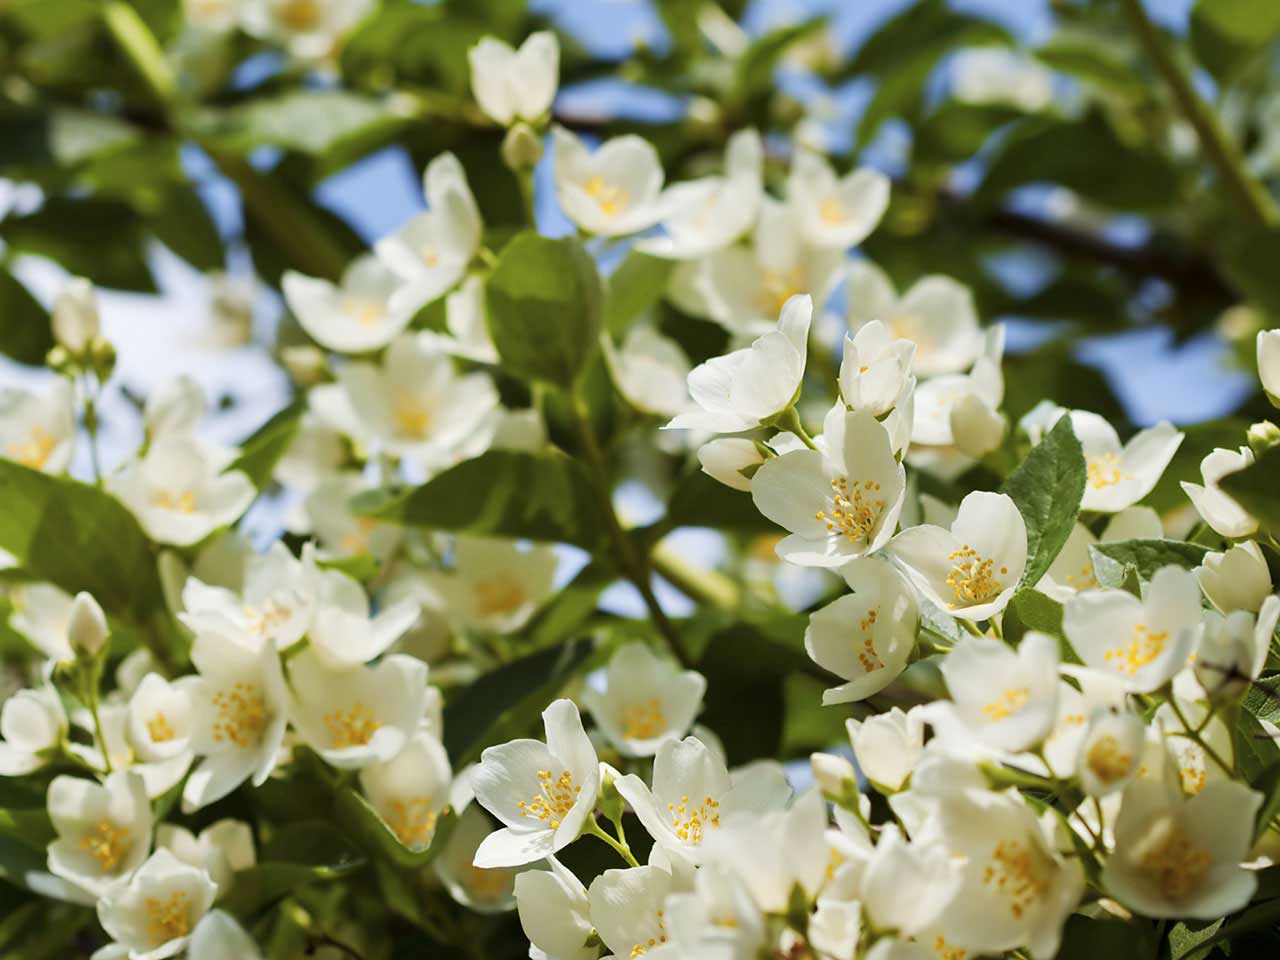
352, 728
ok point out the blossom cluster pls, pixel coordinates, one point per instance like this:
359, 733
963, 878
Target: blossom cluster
1073, 676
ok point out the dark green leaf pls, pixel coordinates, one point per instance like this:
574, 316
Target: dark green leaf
1256, 751
1092, 938
756, 66
95, 238
182, 223
699, 501
1039, 612
263, 884
636, 285
503, 492
1257, 487
1269, 786
25, 334
1144, 556
1226, 34
570, 607
263, 450
545, 307
369, 830
1187, 941
1047, 488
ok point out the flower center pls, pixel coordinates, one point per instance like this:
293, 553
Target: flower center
356, 540
1145, 647
643, 721
853, 513
107, 844
352, 728
262, 620
488, 884
1009, 702
971, 579
299, 14
777, 287
168, 919
690, 821
184, 502
1104, 471
413, 820
947, 952
640, 949
1107, 761
1014, 872
611, 199
34, 451
868, 656
412, 418
430, 255
1176, 864
498, 596
554, 799
364, 312
242, 714
1084, 580
160, 729
831, 211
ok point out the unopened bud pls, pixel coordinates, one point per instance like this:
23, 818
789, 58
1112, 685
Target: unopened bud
306, 364
833, 775
976, 427
87, 627
1263, 436
102, 357
58, 360
521, 148
75, 316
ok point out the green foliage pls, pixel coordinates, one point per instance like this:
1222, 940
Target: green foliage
264, 448
1047, 488
25, 335
1254, 488
634, 287
1227, 34
1111, 561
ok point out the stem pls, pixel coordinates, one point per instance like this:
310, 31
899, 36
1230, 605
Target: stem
996, 627
790, 420
970, 626
136, 41
91, 427
525, 179
1194, 735
620, 849
633, 564
1249, 195
91, 699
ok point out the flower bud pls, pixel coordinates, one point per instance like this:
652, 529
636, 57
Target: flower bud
1236, 579
58, 360
976, 427
834, 775
306, 364
1269, 364
521, 148
87, 627
1263, 436
75, 316
731, 460
1224, 658
887, 746
102, 358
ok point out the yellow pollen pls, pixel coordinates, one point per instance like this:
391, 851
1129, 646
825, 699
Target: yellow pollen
168, 919
412, 418
643, 721
1104, 471
364, 312
160, 729
107, 844
1107, 761
430, 256
270, 616
1014, 872
1084, 580
352, 728
831, 211
498, 596
554, 799
413, 820
611, 199
178, 502
1145, 647
357, 539
777, 287
867, 656
947, 952
299, 14
242, 715
1009, 702
488, 884
853, 513
640, 949
34, 451
1177, 865
690, 822
972, 579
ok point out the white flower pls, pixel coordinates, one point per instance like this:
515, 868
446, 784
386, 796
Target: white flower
342, 632
867, 636
937, 314
650, 371
1143, 642
1269, 363
221, 850
1005, 699
1118, 477
238, 715
840, 502
32, 723
216, 16
495, 585
1233, 649
512, 84
86, 626
39, 431
152, 915
103, 830
731, 460
354, 316
905, 886
1237, 579
692, 793
464, 317
1219, 509
555, 913
972, 570
41, 613
959, 410
1183, 760
411, 790
276, 601
431, 252
717, 919
887, 746
744, 388
219, 937
75, 316
338, 528
875, 369
627, 908
1111, 752
743, 288
175, 408
646, 700
116, 745
359, 715
542, 792
414, 404
709, 213
160, 719
835, 212
309, 29
1181, 858
178, 494
482, 889
987, 75
611, 191
1072, 569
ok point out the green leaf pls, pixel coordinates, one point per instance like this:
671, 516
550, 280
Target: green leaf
755, 68
541, 496
1094, 938
570, 607
1247, 256
79, 538
1145, 556
263, 884
956, 130
1269, 786
1037, 611
508, 699
634, 287
1227, 34
1047, 488
1256, 751
309, 121
263, 450
1256, 489
545, 308
1088, 57
182, 222
91, 237
700, 501
1187, 941
25, 334
369, 830
31, 827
